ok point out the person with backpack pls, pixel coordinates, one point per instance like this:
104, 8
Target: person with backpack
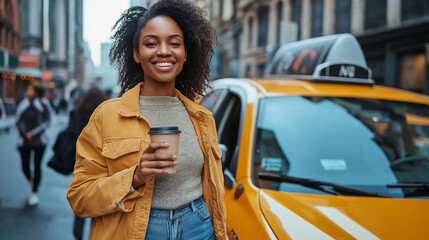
65, 145
32, 119
79, 117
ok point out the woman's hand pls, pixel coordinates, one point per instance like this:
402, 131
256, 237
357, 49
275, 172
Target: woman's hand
29, 136
152, 163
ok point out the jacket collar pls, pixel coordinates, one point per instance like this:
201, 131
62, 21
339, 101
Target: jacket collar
130, 104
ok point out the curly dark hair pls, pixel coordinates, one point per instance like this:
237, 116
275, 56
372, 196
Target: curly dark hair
199, 40
121, 52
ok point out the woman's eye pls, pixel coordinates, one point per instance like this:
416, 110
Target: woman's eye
151, 44
175, 44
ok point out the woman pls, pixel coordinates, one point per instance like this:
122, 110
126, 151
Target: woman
163, 58
79, 117
32, 119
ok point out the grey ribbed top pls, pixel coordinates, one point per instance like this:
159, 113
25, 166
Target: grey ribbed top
175, 190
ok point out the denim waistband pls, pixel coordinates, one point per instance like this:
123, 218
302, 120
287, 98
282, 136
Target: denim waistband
178, 212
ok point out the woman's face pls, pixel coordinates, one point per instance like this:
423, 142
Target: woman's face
161, 50
30, 92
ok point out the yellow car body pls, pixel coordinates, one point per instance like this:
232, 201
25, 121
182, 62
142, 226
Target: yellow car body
256, 210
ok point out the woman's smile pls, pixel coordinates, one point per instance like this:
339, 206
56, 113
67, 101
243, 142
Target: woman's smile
164, 66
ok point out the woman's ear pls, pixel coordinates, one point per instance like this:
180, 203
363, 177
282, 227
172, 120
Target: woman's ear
136, 56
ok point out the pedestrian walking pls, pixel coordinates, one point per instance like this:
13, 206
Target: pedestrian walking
163, 56
32, 119
79, 117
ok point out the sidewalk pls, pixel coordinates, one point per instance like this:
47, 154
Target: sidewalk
7, 124
52, 218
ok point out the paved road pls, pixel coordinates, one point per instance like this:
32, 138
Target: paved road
52, 218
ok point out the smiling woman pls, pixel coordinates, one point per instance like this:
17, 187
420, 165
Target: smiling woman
198, 40
122, 178
161, 54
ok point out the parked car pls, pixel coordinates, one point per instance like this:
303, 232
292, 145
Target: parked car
316, 150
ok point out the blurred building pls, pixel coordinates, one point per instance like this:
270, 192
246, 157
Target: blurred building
148, 3
394, 34
88, 68
53, 50
10, 47
107, 74
143, 3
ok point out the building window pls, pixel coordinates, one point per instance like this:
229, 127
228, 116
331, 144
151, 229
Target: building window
296, 15
237, 44
316, 18
261, 69
343, 10
413, 9
250, 37
375, 13
263, 26
377, 67
279, 21
412, 72
248, 72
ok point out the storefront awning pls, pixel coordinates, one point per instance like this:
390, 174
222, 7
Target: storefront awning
28, 71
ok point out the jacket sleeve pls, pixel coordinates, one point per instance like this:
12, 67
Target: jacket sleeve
93, 192
19, 123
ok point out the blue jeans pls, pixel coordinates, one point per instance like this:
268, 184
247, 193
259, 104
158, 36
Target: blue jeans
191, 221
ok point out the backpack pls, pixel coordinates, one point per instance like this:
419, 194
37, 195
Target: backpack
65, 146
64, 152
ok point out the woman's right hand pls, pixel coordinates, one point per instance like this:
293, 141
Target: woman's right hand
29, 136
152, 163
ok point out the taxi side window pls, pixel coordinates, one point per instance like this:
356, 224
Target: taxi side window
211, 99
227, 113
229, 131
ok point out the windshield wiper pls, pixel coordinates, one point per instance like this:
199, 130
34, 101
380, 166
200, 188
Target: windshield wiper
315, 184
417, 189
408, 185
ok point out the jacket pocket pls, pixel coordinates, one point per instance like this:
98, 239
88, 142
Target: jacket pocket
116, 147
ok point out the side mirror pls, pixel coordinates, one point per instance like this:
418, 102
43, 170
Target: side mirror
228, 178
225, 152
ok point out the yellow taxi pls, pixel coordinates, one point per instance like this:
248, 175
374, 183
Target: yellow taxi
316, 150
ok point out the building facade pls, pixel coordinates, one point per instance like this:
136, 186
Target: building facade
10, 48
108, 75
394, 34
53, 50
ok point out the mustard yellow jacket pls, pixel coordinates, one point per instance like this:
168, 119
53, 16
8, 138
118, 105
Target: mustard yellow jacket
107, 153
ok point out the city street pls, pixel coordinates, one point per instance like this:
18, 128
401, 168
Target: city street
52, 218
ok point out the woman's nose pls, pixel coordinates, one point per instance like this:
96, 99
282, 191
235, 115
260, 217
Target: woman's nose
163, 49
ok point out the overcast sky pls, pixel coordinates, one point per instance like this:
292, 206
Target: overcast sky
98, 19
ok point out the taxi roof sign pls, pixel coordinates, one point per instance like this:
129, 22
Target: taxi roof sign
335, 58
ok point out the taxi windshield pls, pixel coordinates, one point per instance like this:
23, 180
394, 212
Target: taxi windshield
375, 145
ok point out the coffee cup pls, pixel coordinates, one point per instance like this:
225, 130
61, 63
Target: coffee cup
169, 135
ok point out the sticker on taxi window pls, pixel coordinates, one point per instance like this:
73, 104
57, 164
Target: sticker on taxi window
271, 164
231, 234
333, 164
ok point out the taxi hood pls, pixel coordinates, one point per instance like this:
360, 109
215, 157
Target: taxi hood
308, 216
